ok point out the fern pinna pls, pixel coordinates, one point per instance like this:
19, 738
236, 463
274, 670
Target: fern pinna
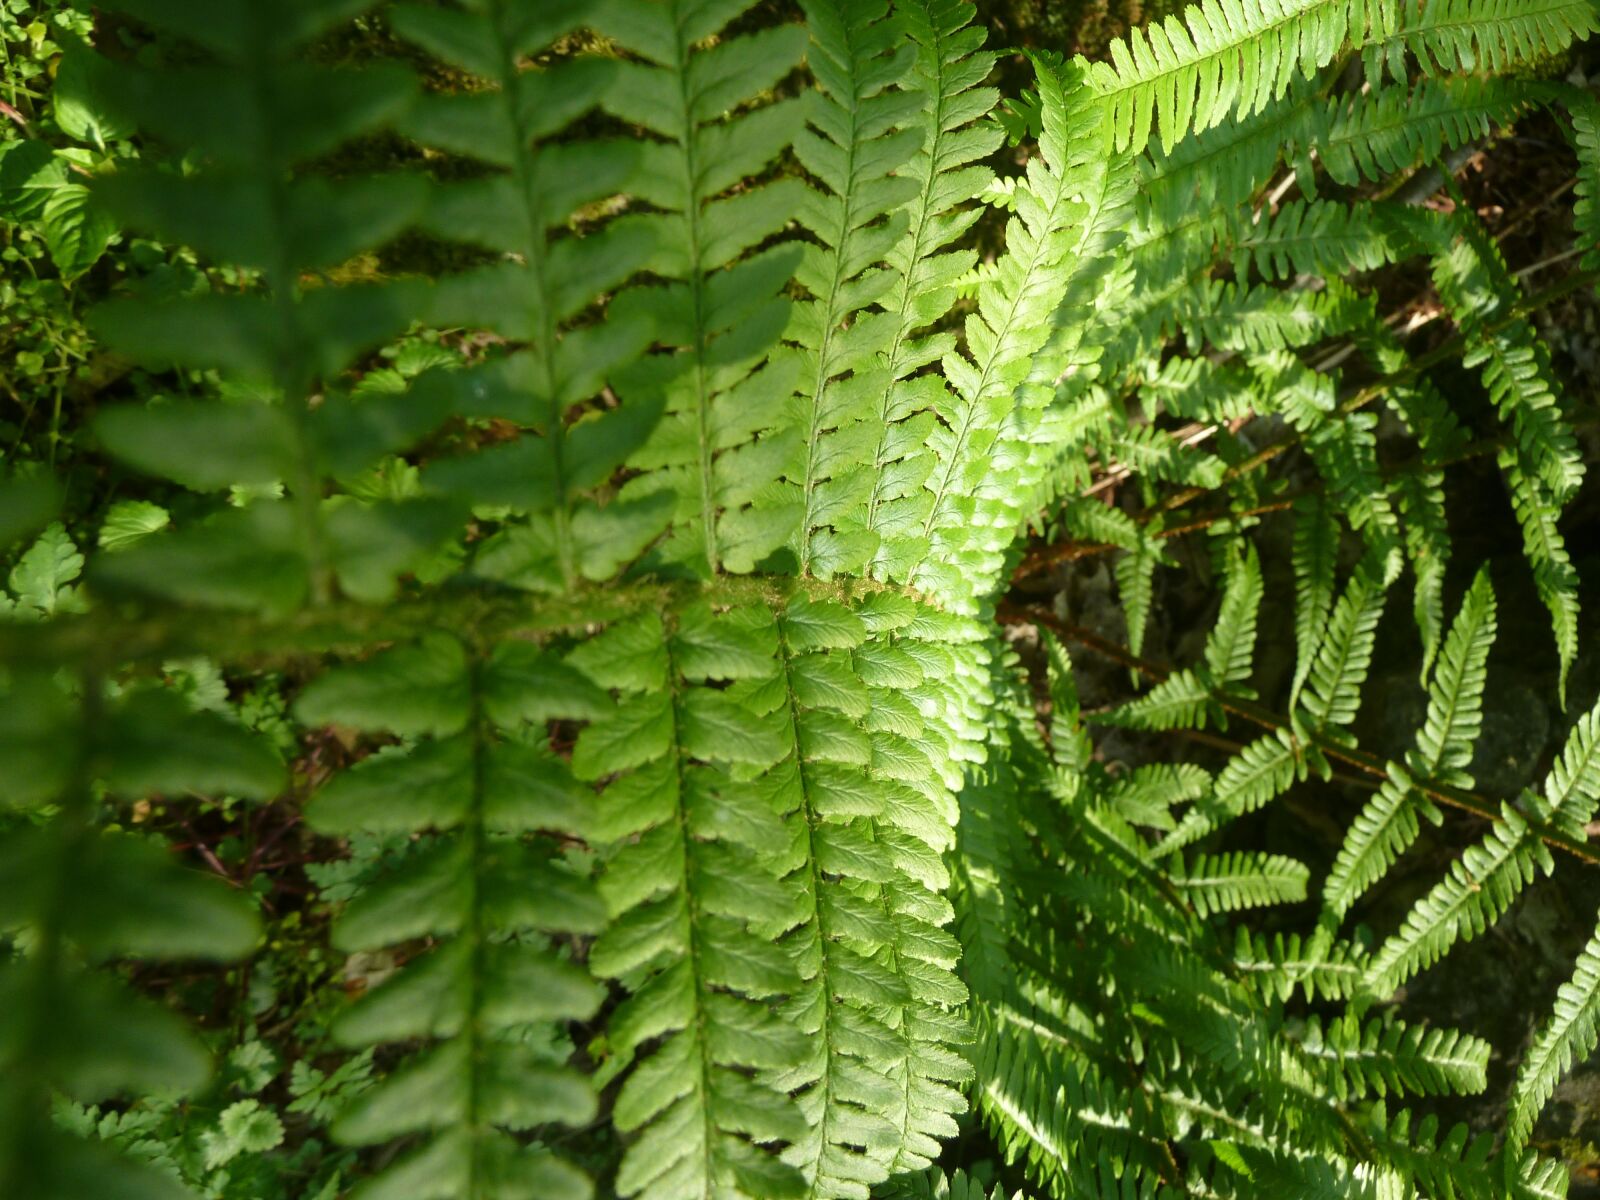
743, 832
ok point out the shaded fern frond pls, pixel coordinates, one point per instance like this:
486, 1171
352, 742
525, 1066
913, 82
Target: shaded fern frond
1053, 1114
719, 312
1135, 572
1253, 778
1478, 288
934, 1185
1242, 879
540, 295
1311, 238
1316, 550
77, 896
1554, 577
253, 117
1385, 1055
1427, 536
486, 890
1568, 1037
1285, 962
1474, 35
1345, 451
1373, 136
1586, 212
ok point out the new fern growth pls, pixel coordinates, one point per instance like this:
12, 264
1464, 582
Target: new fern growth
744, 834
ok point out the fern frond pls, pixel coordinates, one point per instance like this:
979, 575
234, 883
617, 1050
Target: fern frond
1569, 1036
1333, 684
1252, 779
1221, 169
1216, 883
1455, 695
1345, 451
1456, 1164
1543, 468
1279, 965
1554, 577
1188, 73
872, 963
1373, 136
1135, 572
1381, 832
858, 135
1387, 824
1258, 320
719, 313
1585, 117
697, 901
1477, 891
1198, 389
1180, 701
992, 447
1317, 237
1385, 1055
1157, 455
487, 892
925, 269
1477, 287
1474, 35
1427, 535
1572, 788
935, 1186
255, 115
1145, 795
1231, 644
1284, 1173
1095, 521
545, 283
77, 895
1541, 1179
1054, 1114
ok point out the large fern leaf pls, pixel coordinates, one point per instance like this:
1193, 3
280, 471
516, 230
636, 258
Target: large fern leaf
719, 311
544, 284
79, 895
697, 901
486, 891
255, 116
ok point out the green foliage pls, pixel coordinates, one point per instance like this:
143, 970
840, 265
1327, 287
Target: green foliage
601, 602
